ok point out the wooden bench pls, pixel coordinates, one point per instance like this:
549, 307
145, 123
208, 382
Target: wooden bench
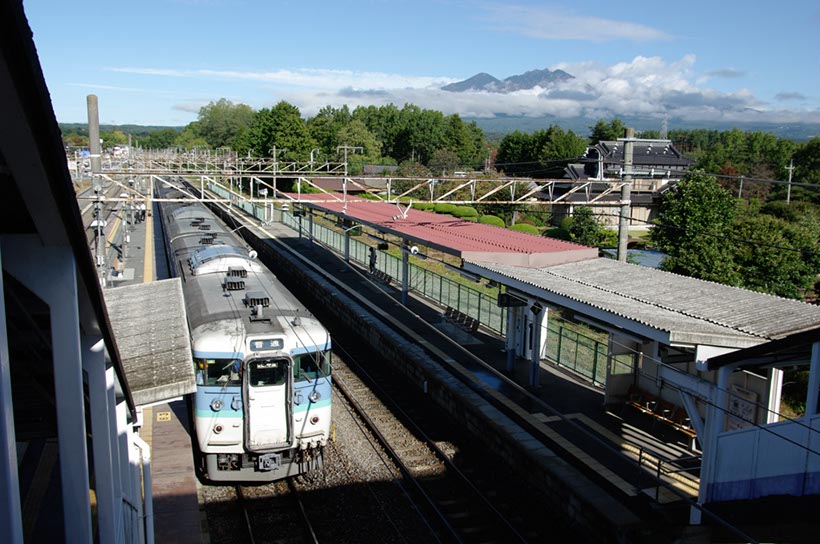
463, 321
382, 276
663, 411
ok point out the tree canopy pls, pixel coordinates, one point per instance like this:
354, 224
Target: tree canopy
220, 122
709, 234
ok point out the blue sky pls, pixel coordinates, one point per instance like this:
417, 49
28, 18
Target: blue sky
159, 61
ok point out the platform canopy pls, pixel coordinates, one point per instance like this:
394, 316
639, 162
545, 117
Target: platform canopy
655, 304
466, 239
151, 330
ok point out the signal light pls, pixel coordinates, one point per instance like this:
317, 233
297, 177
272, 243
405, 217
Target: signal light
314, 420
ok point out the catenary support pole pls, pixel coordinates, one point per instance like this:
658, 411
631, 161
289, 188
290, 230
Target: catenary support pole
94, 134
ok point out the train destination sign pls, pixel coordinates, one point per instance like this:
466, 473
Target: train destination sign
267, 344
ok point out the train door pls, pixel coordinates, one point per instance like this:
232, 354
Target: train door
267, 385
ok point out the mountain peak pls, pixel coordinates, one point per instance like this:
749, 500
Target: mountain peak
527, 80
478, 82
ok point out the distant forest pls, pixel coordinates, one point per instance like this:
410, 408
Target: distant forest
424, 142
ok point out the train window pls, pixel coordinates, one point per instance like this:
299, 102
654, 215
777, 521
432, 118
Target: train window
309, 366
223, 371
263, 372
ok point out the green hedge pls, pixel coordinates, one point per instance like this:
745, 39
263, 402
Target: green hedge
492, 220
523, 227
465, 212
441, 207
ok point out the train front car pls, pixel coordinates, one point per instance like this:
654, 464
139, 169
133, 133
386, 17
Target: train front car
262, 406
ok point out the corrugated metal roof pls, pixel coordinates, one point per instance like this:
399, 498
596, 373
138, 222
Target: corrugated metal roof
151, 330
466, 239
690, 310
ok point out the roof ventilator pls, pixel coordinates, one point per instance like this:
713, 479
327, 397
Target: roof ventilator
255, 298
237, 272
233, 284
204, 226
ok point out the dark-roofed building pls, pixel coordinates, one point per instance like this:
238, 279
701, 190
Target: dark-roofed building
655, 167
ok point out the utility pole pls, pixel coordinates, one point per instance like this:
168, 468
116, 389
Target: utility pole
626, 194
790, 168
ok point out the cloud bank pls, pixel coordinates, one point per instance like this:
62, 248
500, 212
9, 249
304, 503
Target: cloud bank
649, 87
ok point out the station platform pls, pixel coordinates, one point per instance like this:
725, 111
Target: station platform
570, 416
166, 426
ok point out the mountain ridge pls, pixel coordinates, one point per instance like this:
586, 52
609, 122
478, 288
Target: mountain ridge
528, 80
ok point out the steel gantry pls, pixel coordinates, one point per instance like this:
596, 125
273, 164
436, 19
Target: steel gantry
238, 177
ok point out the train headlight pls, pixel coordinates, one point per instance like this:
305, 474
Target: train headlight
314, 396
314, 420
216, 405
217, 429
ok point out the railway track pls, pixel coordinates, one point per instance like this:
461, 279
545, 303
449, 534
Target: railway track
275, 512
455, 486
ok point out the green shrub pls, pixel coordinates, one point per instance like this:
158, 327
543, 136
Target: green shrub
442, 207
523, 227
609, 238
492, 220
465, 212
423, 206
557, 232
533, 220
566, 223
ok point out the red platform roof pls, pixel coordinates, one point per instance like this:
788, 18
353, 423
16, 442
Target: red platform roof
466, 239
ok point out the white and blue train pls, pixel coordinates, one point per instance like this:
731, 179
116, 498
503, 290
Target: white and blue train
262, 409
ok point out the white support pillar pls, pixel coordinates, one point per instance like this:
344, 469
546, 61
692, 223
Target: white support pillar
510, 338
536, 312
11, 521
715, 421
814, 382
405, 274
50, 272
113, 436
775, 391
93, 350
124, 446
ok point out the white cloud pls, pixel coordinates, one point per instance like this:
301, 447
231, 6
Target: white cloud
110, 87
645, 86
552, 23
303, 77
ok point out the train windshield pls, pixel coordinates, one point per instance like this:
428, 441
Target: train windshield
266, 372
220, 372
310, 366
